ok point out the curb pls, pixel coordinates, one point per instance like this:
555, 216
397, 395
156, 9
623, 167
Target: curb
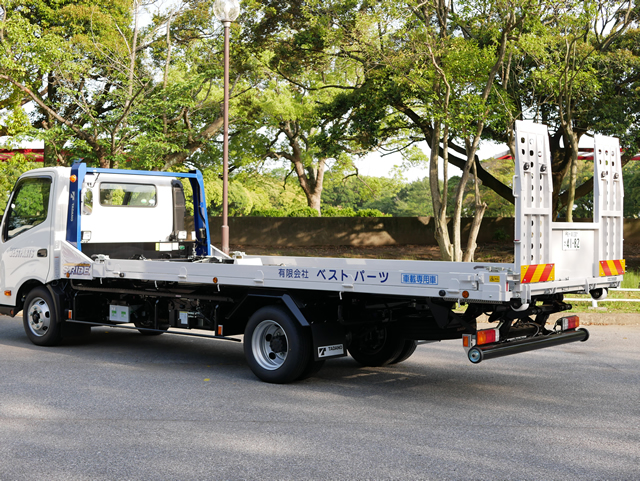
608, 318
586, 319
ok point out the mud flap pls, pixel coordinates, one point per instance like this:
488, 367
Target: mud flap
329, 340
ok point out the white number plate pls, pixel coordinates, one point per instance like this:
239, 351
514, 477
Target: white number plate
570, 240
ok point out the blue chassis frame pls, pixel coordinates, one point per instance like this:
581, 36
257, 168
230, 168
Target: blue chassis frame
201, 221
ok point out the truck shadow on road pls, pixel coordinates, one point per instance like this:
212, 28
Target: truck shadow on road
218, 359
435, 373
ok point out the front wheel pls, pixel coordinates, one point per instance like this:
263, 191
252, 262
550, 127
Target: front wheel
40, 318
277, 348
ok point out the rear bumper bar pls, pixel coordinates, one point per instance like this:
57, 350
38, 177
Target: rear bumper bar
489, 351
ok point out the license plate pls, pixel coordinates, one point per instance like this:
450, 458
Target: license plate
570, 240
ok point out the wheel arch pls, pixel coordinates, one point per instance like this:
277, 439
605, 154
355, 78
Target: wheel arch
255, 300
56, 292
23, 292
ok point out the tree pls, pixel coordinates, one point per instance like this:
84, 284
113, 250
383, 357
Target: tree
562, 71
287, 106
107, 89
576, 72
291, 128
182, 117
503, 170
10, 170
50, 57
251, 193
362, 192
631, 176
430, 76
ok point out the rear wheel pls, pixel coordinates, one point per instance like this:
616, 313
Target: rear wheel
407, 351
40, 318
378, 346
312, 369
277, 348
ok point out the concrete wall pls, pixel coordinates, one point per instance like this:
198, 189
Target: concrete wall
632, 231
363, 231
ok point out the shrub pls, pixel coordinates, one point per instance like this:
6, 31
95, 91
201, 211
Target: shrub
270, 212
500, 235
330, 211
371, 213
303, 212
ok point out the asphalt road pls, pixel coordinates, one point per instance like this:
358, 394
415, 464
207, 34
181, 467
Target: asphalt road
120, 406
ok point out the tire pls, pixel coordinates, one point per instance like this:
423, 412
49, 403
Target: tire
150, 333
376, 347
276, 347
143, 321
40, 318
407, 351
311, 370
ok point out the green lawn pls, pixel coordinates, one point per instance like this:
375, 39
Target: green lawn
631, 281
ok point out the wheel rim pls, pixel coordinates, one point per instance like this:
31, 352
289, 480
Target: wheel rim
373, 341
269, 344
475, 355
39, 316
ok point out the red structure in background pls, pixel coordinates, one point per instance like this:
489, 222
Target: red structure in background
34, 155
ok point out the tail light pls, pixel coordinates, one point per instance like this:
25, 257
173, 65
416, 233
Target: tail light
487, 336
568, 323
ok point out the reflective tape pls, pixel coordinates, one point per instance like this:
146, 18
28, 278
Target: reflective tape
537, 273
612, 268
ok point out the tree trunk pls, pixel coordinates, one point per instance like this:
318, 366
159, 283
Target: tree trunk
49, 155
438, 200
457, 211
178, 157
314, 201
573, 173
477, 220
310, 178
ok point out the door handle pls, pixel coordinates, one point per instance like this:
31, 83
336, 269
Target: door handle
42, 253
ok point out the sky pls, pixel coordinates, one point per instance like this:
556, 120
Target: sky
375, 165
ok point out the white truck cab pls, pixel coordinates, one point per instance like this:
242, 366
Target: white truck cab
28, 232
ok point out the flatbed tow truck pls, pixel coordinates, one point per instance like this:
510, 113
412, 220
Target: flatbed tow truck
83, 247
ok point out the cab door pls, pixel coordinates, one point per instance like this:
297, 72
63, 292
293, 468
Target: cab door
25, 249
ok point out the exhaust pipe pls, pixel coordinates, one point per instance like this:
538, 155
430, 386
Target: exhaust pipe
489, 351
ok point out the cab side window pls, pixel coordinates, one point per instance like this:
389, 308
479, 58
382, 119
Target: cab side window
29, 206
127, 195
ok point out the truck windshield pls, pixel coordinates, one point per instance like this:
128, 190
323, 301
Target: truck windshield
131, 195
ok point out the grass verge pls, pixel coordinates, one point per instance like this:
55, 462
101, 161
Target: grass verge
629, 301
